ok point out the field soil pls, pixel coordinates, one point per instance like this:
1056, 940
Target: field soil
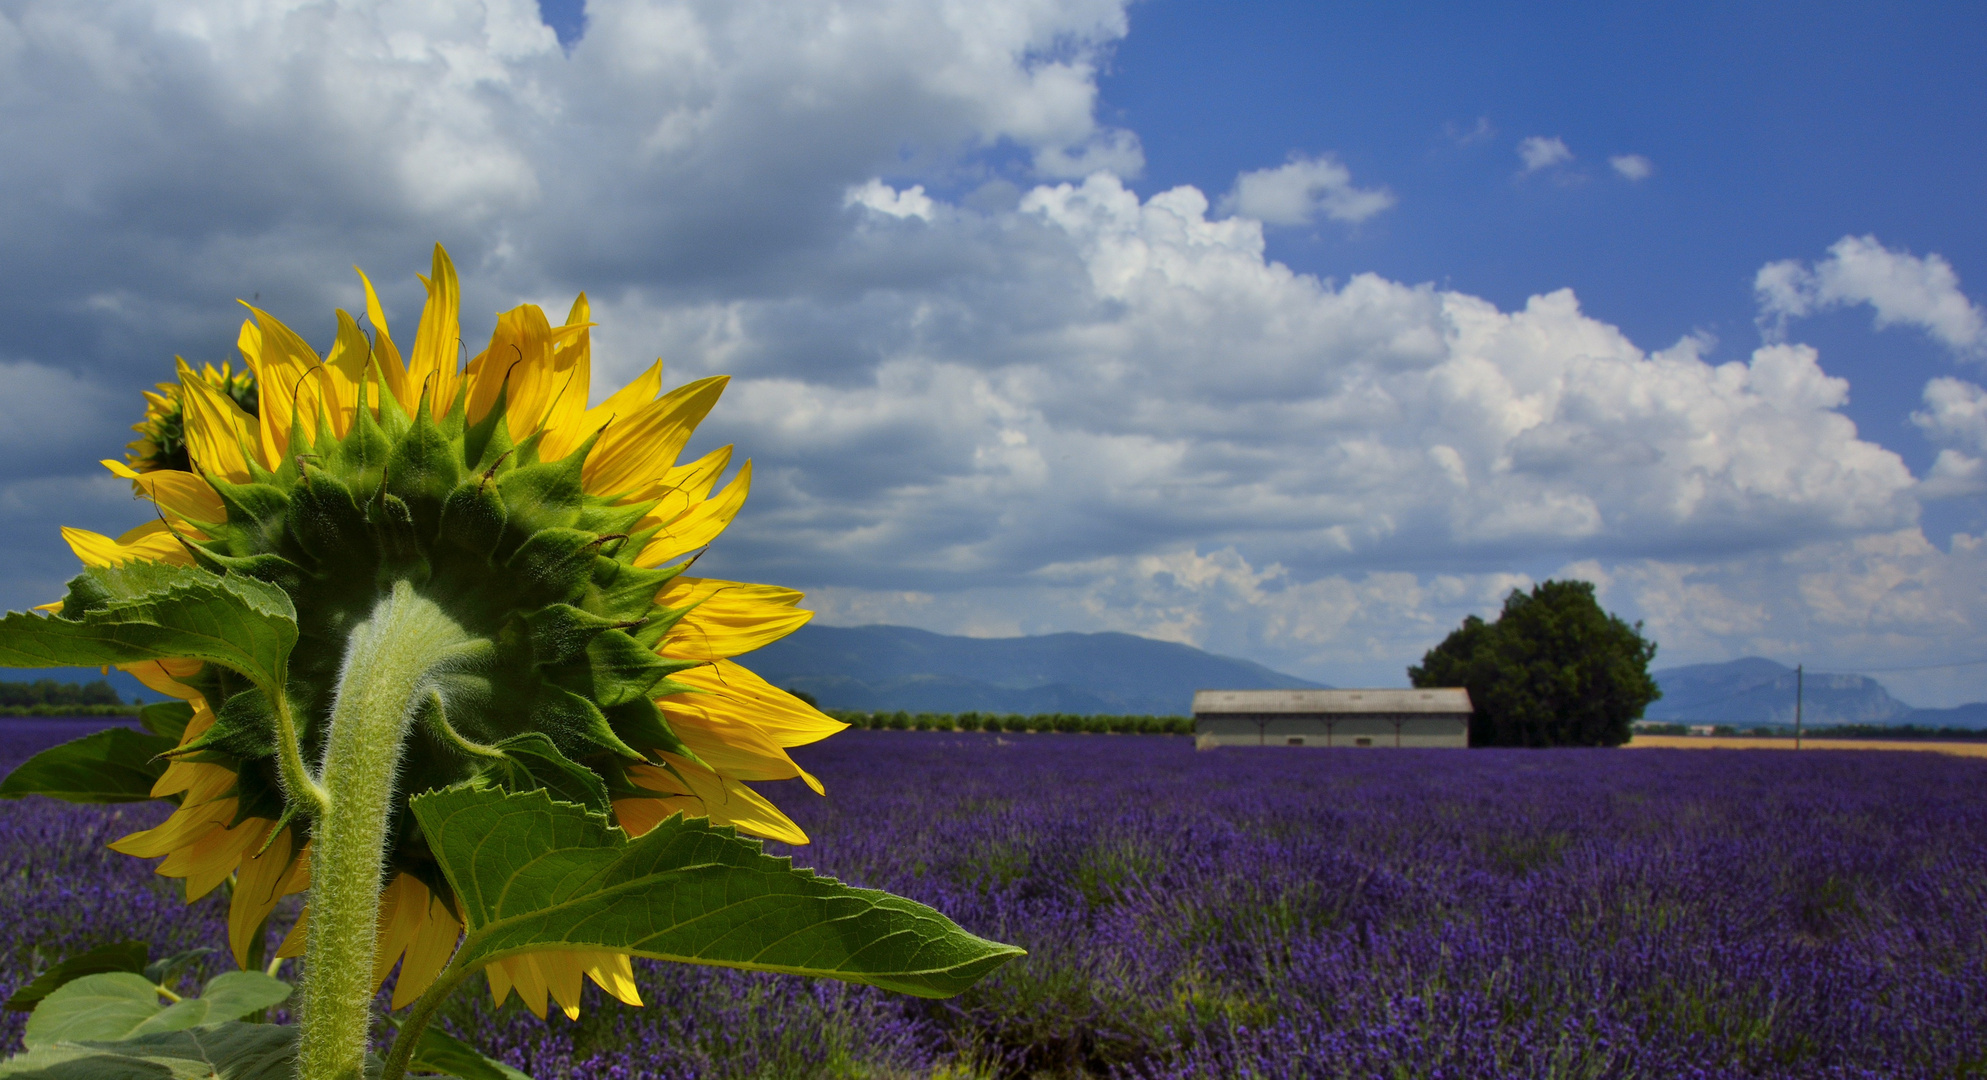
1726, 742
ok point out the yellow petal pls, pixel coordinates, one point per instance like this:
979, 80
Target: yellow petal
187, 824
384, 351
258, 888
182, 495
729, 802
94, 549
638, 450
699, 526
728, 617
697, 478
150, 542
294, 942
201, 782
346, 367
434, 369
564, 976
294, 386
433, 944
183, 776
638, 816
208, 861
499, 974
524, 364
529, 982
400, 913
297, 880
738, 694
625, 401
219, 435
612, 973
735, 750
162, 676
565, 421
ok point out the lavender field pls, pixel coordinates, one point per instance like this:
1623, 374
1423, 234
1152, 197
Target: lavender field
1272, 913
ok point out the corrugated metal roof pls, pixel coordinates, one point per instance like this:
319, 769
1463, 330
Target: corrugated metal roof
1434, 700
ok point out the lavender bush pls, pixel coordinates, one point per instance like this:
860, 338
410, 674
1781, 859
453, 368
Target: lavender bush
1278, 913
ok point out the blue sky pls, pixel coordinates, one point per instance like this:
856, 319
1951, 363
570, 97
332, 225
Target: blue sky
1296, 332
1774, 129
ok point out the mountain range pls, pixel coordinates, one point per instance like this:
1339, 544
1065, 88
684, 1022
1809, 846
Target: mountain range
877, 668
1755, 691
874, 668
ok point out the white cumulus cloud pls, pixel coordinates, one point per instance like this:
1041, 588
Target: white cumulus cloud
1300, 191
1539, 152
1632, 166
1955, 415
888, 201
1902, 287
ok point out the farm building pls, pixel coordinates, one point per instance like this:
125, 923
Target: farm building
1435, 717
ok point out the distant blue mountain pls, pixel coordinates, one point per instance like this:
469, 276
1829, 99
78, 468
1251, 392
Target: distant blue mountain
877, 668
1753, 691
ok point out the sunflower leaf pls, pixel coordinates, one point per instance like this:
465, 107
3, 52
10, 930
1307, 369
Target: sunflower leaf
440, 1052
167, 966
117, 956
532, 873
112, 765
110, 1005
153, 611
232, 1051
168, 718
531, 761
120, 1005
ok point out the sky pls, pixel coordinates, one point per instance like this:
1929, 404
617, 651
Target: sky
1296, 332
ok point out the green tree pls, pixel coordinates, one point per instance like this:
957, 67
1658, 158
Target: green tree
1553, 670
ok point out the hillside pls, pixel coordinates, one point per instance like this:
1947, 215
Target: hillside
897, 667
1753, 691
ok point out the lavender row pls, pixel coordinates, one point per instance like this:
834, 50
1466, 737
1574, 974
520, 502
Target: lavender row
1289, 913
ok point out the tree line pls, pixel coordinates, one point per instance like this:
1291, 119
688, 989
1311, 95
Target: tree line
973, 721
46, 697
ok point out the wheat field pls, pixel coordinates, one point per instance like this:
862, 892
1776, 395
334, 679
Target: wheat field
1717, 742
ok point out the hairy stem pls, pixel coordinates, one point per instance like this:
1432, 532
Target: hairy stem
389, 661
298, 783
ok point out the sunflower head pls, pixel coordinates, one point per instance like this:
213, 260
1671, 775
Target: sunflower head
555, 537
161, 441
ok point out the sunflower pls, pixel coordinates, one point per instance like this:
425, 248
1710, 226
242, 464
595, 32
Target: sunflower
161, 441
558, 534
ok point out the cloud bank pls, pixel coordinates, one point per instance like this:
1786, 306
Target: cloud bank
1540, 152
1299, 192
1901, 287
989, 386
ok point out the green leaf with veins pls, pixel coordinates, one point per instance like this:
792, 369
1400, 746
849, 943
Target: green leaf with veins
531, 873
106, 1006
120, 1005
152, 611
110, 766
231, 1051
118, 956
440, 1052
531, 761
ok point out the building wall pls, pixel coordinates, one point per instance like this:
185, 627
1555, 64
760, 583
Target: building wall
1350, 730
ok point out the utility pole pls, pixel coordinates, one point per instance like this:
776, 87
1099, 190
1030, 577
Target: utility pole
1799, 678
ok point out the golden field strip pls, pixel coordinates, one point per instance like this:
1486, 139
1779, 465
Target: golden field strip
1720, 742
